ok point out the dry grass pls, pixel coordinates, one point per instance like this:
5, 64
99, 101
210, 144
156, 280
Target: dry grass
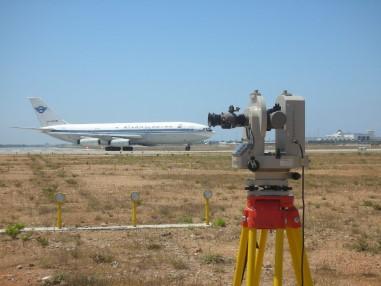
343, 223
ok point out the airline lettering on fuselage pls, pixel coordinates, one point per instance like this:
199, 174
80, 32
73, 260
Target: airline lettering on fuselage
41, 109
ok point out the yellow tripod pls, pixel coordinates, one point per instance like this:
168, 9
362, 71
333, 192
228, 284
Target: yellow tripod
264, 213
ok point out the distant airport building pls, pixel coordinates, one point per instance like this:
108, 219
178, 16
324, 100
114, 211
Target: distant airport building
341, 136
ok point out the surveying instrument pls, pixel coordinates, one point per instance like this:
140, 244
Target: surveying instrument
270, 201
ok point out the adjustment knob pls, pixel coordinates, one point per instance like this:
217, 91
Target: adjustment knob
253, 165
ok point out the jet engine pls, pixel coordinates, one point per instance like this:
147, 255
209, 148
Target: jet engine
89, 142
119, 142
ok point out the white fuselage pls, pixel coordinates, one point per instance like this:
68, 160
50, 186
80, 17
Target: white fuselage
145, 133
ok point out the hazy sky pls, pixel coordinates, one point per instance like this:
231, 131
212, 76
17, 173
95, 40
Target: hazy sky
126, 61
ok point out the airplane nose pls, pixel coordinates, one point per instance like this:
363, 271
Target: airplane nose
209, 132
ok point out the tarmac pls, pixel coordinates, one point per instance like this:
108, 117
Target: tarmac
84, 151
154, 151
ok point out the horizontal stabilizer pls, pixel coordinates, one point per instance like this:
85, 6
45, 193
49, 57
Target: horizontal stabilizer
28, 128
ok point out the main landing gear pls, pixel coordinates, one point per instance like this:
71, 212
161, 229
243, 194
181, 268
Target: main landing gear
113, 148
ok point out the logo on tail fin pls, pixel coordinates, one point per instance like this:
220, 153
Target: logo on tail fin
41, 109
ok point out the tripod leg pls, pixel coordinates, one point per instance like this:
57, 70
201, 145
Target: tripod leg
278, 273
294, 254
252, 243
259, 257
295, 241
241, 258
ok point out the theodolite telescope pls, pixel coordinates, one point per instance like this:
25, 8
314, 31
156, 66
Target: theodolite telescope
288, 119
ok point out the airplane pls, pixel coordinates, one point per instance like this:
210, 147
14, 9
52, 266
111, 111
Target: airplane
339, 136
118, 136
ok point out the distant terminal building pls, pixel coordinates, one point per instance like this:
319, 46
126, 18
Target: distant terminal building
340, 136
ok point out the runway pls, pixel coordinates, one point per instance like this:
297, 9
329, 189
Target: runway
154, 151
82, 151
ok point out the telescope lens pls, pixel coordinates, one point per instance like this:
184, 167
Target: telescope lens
214, 119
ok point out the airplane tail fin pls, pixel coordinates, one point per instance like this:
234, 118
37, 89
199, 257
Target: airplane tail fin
45, 114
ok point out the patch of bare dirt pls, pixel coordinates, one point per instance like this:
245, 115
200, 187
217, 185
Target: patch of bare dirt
343, 220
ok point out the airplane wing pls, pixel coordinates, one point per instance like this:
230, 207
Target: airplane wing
100, 135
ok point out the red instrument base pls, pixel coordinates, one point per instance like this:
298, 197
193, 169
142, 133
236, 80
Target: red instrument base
271, 212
